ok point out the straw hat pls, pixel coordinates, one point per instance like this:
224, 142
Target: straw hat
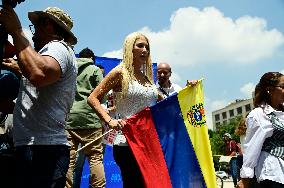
59, 17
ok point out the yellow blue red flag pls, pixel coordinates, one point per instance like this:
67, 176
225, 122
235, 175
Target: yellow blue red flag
170, 142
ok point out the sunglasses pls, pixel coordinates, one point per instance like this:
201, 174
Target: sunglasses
164, 72
281, 86
32, 29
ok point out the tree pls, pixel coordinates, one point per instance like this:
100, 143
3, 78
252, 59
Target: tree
216, 138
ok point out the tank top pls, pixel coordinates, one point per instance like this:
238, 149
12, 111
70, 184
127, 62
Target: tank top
137, 98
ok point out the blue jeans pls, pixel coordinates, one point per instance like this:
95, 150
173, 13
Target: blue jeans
43, 166
234, 170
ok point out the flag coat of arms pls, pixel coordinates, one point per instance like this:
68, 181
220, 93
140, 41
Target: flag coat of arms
170, 142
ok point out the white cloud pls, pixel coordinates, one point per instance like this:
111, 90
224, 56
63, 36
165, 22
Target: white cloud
247, 89
211, 106
28, 34
218, 104
175, 78
209, 119
204, 36
282, 71
114, 54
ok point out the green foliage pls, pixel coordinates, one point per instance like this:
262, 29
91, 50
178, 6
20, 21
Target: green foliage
216, 138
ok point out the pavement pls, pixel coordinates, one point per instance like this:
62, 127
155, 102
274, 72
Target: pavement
228, 183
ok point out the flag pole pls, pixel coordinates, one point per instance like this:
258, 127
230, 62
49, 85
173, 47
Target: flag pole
93, 141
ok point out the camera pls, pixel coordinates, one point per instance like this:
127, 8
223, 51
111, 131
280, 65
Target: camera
3, 34
12, 3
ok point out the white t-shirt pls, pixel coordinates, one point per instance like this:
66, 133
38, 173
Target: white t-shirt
40, 112
169, 91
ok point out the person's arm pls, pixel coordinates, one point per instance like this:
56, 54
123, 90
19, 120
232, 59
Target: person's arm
258, 129
12, 65
112, 81
40, 70
112, 109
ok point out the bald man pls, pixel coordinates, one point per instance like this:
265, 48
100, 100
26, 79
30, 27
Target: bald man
164, 85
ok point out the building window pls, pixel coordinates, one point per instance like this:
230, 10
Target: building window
231, 112
248, 108
239, 110
224, 115
217, 117
217, 123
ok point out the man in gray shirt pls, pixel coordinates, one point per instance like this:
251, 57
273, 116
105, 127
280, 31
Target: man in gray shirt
45, 96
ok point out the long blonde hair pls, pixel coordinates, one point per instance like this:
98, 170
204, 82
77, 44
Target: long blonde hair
127, 62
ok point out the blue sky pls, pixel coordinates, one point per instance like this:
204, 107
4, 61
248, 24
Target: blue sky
229, 43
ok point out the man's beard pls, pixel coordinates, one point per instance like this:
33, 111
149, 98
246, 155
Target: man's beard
36, 43
162, 82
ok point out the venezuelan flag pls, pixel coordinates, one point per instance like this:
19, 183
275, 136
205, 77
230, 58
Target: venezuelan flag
170, 142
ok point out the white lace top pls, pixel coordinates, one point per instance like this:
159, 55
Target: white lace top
137, 98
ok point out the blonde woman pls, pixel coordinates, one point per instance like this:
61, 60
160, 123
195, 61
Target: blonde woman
133, 89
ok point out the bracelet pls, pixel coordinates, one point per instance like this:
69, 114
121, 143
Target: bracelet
109, 121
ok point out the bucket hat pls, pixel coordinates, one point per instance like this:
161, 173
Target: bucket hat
61, 18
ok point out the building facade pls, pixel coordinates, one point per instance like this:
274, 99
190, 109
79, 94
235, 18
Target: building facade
240, 107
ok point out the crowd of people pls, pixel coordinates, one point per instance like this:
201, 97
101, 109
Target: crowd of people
261, 163
59, 107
